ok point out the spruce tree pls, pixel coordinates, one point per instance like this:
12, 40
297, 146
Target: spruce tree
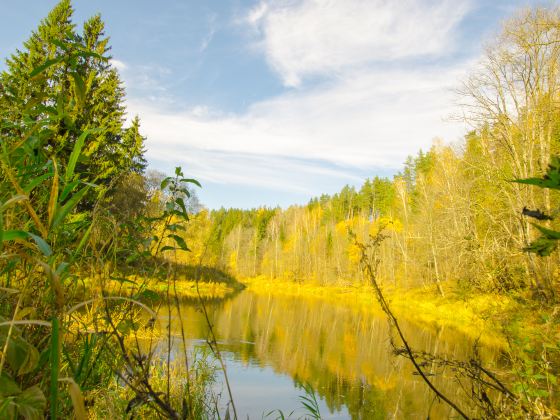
84, 93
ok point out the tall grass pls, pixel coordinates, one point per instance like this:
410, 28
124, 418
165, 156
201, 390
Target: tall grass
69, 347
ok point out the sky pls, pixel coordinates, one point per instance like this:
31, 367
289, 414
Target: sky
275, 102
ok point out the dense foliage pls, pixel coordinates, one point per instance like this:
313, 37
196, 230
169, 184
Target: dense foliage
76, 211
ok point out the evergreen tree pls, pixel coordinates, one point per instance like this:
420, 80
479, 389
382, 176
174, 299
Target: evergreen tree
133, 141
85, 93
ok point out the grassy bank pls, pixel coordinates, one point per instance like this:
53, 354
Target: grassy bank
490, 318
153, 289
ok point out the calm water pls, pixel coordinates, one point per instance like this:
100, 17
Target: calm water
272, 345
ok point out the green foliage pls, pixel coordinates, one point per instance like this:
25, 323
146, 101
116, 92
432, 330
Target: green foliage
547, 243
63, 152
66, 78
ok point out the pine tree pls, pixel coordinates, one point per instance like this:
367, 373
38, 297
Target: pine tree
133, 142
85, 93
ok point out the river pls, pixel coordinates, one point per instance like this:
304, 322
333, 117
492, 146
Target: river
272, 345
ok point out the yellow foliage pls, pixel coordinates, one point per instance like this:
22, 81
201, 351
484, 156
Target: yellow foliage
354, 253
233, 261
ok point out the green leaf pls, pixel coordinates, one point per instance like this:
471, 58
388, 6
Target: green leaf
42, 245
63, 211
180, 241
82, 243
11, 235
191, 181
45, 65
79, 87
60, 44
146, 294
8, 386
31, 403
76, 151
543, 247
36, 181
181, 204
548, 233
86, 54
68, 188
165, 183
21, 356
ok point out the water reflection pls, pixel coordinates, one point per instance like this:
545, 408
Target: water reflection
343, 353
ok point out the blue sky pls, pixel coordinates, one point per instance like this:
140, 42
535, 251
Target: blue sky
274, 102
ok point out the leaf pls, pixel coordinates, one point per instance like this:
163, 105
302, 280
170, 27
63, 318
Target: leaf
542, 247
77, 398
539, 182
45, 65
42, 245
37, 181
175, 227
85, 54
54, 194
79, 87
181, 203
82, 243
76, 151
14, 199
7, 408
165, 183
550, 180
11, 235
180, 241
68, 188
548, 233
22, 356
146, 295
191, 181
60, 44
31, 403
7, 386
69, 206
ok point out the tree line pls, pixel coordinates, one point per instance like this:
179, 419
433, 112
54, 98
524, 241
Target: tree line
453, 213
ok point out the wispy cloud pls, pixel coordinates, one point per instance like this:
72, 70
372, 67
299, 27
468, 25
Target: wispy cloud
367, 114
321, 37
209, 35
370, 120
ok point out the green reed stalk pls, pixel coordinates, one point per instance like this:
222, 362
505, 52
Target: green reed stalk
54, 369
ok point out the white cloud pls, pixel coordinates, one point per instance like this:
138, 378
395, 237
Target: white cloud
118, 64
370, 120
320, 37
368, 113
233, 168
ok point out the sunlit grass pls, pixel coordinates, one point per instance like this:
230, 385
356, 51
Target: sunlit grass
155, 289
477, 316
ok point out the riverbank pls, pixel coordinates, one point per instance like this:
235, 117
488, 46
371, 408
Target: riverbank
153, 289
490, 318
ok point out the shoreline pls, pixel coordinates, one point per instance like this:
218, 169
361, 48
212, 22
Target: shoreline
478, 316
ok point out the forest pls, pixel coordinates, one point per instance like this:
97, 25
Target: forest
103, 260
